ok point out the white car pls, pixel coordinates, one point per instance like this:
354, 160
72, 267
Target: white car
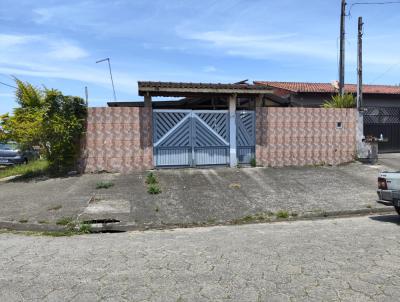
389, 189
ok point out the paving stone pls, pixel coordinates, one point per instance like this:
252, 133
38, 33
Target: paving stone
325, 260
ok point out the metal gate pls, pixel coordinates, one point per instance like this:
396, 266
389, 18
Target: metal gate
385, 121
245, 136
191, 138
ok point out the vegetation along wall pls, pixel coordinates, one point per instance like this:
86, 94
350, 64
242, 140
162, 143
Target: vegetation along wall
118, 140
305, 136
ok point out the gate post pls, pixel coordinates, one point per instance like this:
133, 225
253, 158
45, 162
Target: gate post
232, 131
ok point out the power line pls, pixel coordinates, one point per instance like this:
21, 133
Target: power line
372, 3
5, 84
385, 72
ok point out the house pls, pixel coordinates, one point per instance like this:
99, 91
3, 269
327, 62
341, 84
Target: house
381, 105
315, 94
213, 124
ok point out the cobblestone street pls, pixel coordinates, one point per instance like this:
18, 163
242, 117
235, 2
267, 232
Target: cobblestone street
351, 259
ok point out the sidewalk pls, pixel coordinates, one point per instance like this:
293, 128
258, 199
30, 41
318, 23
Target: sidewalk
195, 197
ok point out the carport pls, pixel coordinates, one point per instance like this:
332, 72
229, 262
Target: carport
212, 124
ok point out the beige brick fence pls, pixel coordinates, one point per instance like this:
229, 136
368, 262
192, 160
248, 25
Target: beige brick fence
305, 136
118, 140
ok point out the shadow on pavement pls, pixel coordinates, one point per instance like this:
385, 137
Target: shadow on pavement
387, 218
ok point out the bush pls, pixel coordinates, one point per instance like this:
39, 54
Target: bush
50, 120
253, 162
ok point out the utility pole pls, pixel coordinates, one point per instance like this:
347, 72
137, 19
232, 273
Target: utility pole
359, 65
342, 47
86, 96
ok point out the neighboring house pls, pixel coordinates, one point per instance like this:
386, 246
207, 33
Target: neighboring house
315, 94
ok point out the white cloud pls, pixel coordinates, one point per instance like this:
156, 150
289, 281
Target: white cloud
264, 46
209, 68
7, 40
64, 50
42, 15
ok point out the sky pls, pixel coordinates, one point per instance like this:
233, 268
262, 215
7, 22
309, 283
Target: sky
56, 43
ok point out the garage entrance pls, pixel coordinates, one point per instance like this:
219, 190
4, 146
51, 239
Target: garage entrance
385, 121
191, 138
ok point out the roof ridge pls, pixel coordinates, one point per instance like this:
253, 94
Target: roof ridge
325, 83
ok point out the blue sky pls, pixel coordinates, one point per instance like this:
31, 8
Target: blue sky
56, 43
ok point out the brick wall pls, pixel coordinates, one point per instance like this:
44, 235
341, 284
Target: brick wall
118, 140
304, 136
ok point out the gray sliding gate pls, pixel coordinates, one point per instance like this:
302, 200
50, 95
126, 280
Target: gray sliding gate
190, 138
245, 136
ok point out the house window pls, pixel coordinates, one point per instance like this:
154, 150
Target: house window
339, 125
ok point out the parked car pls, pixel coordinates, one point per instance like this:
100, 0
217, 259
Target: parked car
389, 189
11, 154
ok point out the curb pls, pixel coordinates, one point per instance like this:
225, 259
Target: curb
124, 227
18, 226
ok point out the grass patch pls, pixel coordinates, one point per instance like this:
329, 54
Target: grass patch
104, 185
30, 170
151, 179
65, 221
154, 189
282, 214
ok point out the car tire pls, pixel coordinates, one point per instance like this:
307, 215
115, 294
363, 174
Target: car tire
397, 209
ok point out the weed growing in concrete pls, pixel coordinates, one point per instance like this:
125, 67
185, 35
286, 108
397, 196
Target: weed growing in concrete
259, 217
65, 221
23, 220
151, 179
157, 209
43, 222
235, 186
253, 162
84, 228
154, 189
282, 214
104, 185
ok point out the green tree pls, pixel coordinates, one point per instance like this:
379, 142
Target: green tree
47, 118
339, 101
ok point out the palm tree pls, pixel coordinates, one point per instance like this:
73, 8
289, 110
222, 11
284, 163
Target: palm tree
339, 101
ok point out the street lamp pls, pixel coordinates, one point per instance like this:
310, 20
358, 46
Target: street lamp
112, 81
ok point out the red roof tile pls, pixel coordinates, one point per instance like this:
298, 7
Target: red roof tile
299, 87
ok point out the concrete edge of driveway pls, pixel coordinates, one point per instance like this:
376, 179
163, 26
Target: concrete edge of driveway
124, 227
34, 227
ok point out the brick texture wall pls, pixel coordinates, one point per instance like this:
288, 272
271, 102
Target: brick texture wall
118, 140
304, 136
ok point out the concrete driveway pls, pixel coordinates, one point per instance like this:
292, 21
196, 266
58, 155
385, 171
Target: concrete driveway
194, 196
390, 160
